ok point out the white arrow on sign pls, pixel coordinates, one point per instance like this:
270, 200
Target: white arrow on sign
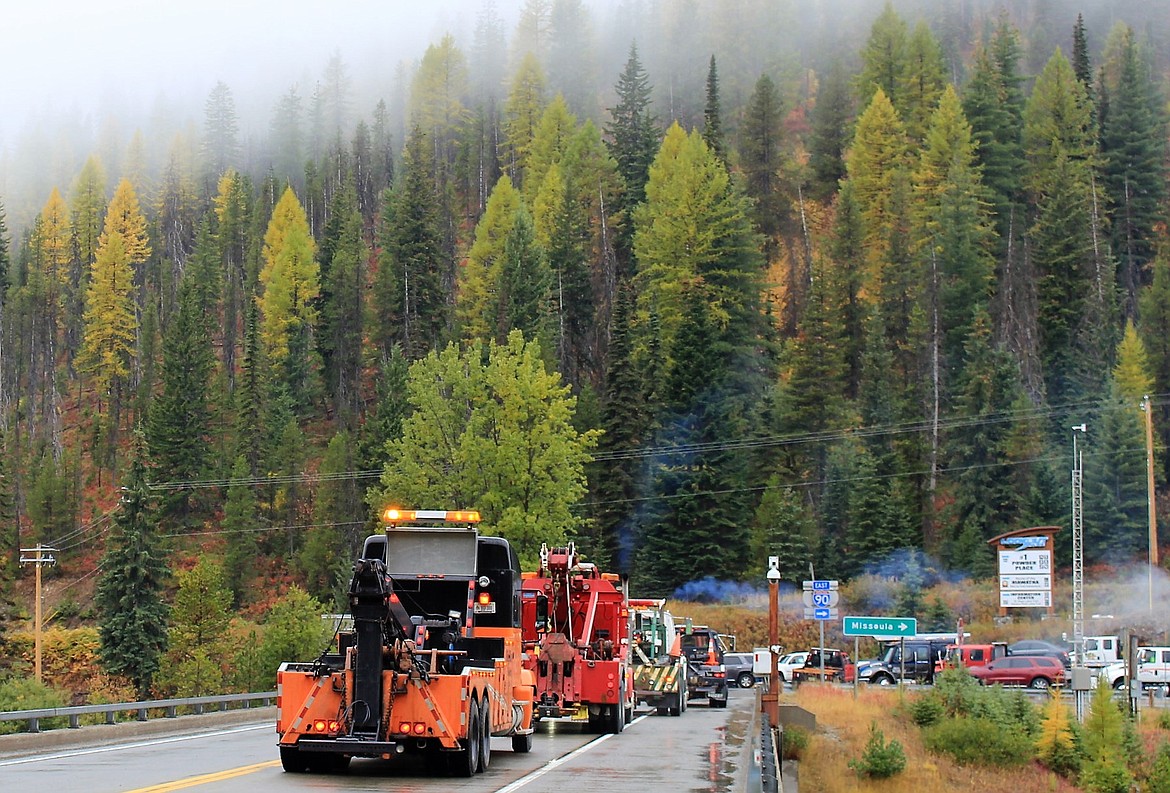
821, 599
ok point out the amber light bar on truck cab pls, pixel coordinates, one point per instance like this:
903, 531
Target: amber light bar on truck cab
396, 515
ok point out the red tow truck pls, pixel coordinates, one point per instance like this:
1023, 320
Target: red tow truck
575, 624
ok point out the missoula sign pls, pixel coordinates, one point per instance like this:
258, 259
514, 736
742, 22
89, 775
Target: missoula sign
1025, 567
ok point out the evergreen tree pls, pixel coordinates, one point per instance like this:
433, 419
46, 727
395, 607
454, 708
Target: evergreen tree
179, 419
524, 286
922, 81
616, 469
221, 131
1115, 495
384, 422
129, 594
696, 523
884, 58
251, 394
712, 116
760, 159
845, 282
1155, 334
1133, 141
342, 309
331, 543
633, 136
831, 133
783, 528
240, 522
1081, 64
411, 306
1076, 280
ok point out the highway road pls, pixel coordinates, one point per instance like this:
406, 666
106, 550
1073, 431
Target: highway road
705, 750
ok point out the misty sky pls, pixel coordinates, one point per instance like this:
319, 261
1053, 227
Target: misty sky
60, 56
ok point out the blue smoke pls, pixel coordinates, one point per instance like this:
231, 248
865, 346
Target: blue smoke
711, 590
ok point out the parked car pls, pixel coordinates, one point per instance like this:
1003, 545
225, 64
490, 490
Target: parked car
1037, 647
739, 669
1034, 671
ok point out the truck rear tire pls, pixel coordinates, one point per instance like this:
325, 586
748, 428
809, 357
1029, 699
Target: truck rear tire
293, 760
465, 761
485, 742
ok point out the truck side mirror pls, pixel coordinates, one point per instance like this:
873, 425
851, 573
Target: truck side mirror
541, 613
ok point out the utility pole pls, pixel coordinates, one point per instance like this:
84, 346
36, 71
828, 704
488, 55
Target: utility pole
1147, 408
43, 555
1078, 545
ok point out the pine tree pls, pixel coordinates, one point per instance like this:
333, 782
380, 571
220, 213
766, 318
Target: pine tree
221, 129
341, 328
129, 594
411, 306
922, 81
1115, 495
712, 116
633, 136
617, 471
831, 133
179, 419
331, 543
782, 527
884, 58
241, 520
524, 286
760, 159
1133, 142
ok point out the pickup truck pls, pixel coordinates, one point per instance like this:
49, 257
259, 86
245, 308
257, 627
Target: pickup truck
1153, 669
837, 666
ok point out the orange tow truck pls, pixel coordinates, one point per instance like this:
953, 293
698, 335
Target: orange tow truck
433, 663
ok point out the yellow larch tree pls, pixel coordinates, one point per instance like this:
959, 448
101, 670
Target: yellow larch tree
107, 346
290, 278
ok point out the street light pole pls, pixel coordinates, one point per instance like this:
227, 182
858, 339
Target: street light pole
771, 700
1078, 545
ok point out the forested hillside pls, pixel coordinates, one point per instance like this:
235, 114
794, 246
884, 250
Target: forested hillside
691, 282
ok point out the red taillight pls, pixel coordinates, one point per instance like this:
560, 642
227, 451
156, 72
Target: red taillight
404, 728
334, 726
319, 726
484, 598
419, 728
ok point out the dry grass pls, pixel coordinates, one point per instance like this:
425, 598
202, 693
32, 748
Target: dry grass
843, 729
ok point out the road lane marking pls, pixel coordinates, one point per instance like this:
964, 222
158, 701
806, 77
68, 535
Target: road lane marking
204, 779
37, 758
556, 763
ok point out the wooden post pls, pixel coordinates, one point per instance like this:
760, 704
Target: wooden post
42, 557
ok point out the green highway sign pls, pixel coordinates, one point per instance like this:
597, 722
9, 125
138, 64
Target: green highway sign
881, 627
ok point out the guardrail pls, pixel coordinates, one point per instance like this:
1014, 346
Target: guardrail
169, 707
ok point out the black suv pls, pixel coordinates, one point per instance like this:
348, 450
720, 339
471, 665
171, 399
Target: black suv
921, 657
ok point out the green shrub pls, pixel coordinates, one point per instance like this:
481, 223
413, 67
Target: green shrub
28, 694
979, 741
926, 710
1106, 776
1163, 721
1159, 780
793, 743
880, 760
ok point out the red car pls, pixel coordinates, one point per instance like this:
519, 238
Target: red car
1034, 671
